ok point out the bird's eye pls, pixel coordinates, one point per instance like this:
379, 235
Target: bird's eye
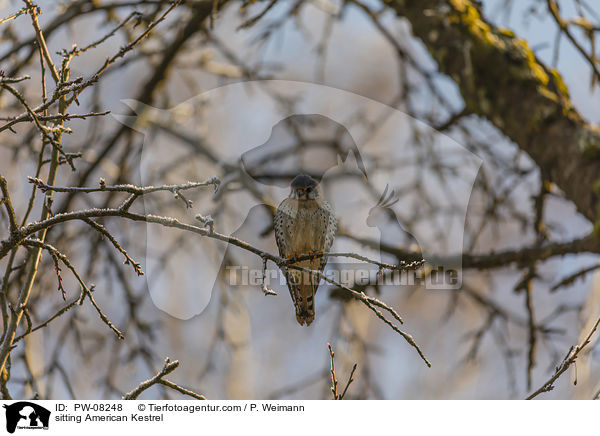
308, 189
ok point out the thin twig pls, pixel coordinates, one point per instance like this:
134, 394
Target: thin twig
131, 189
372, 303
12, 218
168, 368
88, 291
182, 390
569, 360
350, 380
15, 15
334, 381
55, 117
128, 259
45, 131
77, 51
34, 11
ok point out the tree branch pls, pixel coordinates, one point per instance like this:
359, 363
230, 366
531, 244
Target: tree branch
501, 79
568, 360
168, 368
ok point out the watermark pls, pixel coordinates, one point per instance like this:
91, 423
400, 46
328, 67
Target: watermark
430, 278
397, 188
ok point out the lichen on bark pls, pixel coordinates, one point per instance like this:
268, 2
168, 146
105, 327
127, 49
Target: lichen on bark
501, 79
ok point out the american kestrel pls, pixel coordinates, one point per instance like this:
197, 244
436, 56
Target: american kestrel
304, 224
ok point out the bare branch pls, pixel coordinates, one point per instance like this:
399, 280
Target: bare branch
131, 189
34, 11
568, 360
168, 368
86, 291
334, 382
12, 218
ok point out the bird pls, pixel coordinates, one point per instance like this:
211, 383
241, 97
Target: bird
304, 224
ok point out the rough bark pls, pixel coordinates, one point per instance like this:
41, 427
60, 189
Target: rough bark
501, 79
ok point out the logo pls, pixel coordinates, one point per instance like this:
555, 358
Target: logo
398, 188
26, 415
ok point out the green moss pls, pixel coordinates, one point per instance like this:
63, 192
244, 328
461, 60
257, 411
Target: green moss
596, 187
502, 39
506, 32
531, 67
548, 94
469, 16
559, 83
520, 71
588, 141
596, 230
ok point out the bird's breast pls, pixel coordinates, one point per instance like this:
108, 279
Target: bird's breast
309, 226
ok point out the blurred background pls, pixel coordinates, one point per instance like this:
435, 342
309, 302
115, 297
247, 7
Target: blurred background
205, 93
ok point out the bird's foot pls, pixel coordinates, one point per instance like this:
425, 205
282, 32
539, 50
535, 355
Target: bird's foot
316, 254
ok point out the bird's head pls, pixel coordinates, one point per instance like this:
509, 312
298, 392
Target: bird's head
304, 187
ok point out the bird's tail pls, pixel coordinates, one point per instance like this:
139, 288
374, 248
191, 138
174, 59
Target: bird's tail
303, 287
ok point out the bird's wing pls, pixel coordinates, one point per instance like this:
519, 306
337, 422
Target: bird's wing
331, 230
283, 221
302, 294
